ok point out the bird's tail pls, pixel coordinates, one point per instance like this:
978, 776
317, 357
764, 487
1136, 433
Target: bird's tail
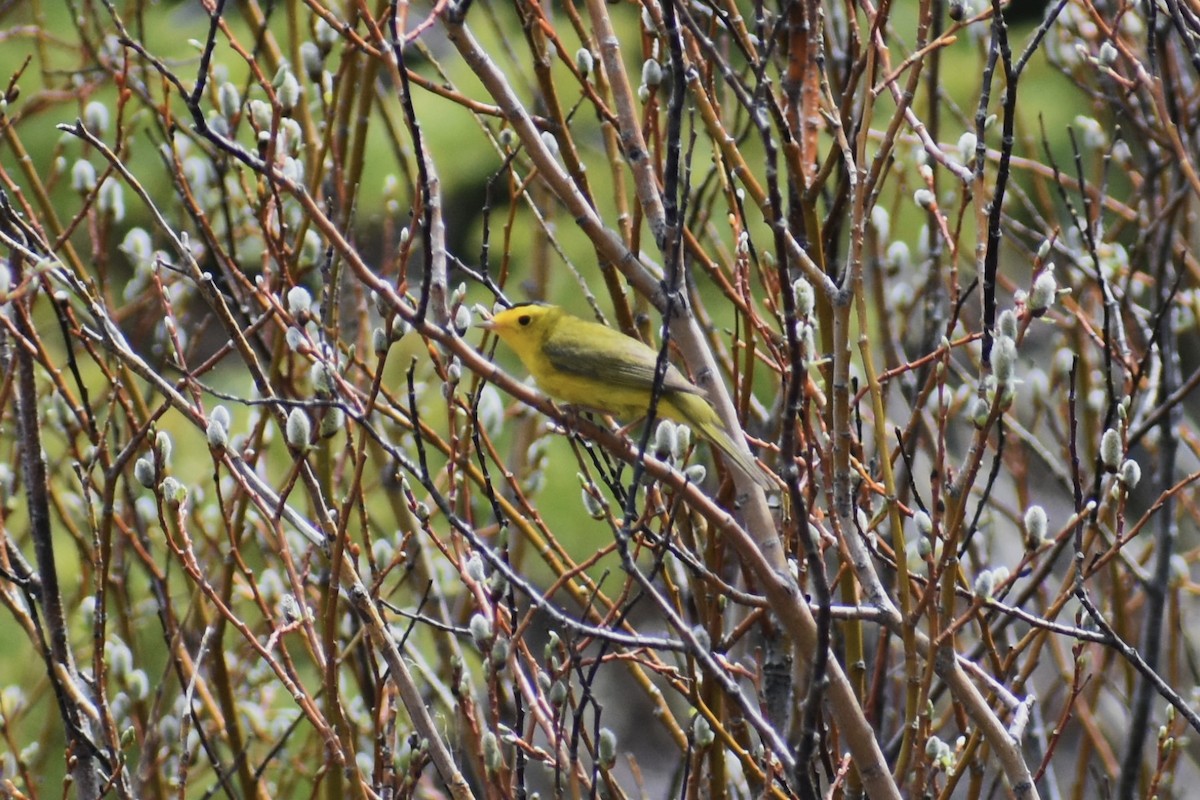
697, 413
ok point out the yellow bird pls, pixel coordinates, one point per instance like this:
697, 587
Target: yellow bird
587, 364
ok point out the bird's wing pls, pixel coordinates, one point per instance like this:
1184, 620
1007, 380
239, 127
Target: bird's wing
634, 369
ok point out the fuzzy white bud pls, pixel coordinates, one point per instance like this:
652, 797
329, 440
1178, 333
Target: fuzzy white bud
312, 59
163, 447
173, 491
898, 256
325, 34
299, 301
474, 568
702, 732
652, 73
491, 409
985, 585
323, 379
585, 62
1042, 294
665, 439
607, 751
1004, 359
380, 341
967, 143
1131, 473
462, 320
143, 471
95, 117
1121, 152
217, 434
1035, 526
298, 429
806, 299
1007, 324
1111, 449
481, 631
881, 221
111, 200
333, 422
229, 99
83, 176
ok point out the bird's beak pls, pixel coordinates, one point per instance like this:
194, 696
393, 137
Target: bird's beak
486, 324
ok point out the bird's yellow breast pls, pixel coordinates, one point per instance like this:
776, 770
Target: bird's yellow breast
623, 402
601, 385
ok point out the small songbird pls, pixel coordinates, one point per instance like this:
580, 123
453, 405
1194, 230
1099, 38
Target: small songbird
587, 364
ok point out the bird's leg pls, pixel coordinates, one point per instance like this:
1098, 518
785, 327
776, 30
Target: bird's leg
571, 414
568, 426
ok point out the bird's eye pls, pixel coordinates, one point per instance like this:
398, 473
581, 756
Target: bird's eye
524, 319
